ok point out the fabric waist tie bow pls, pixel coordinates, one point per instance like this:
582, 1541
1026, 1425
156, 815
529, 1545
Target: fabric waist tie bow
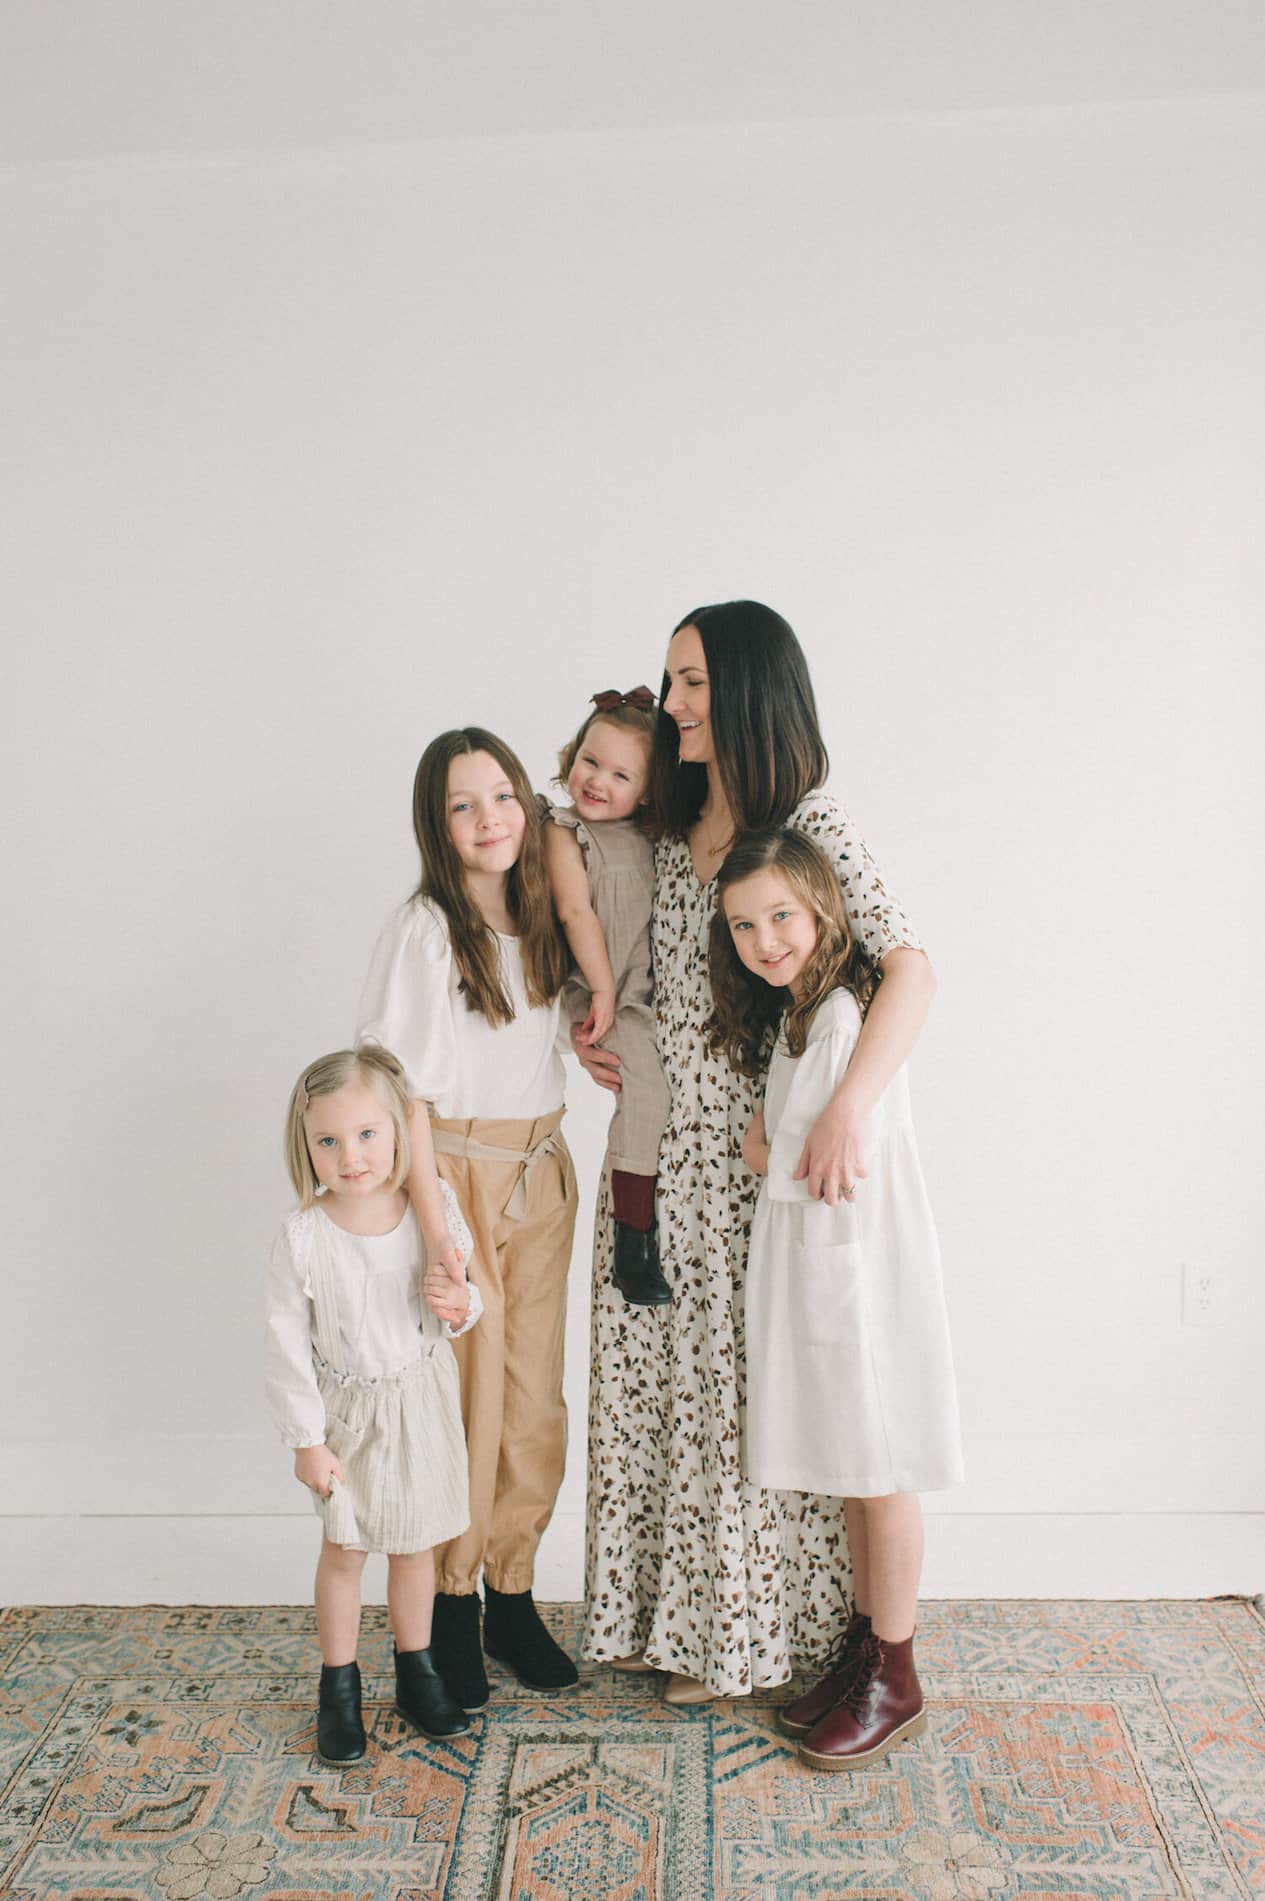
447, 1142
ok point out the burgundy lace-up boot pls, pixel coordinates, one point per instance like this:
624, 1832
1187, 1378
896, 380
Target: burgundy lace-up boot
881, 1707
799, 1717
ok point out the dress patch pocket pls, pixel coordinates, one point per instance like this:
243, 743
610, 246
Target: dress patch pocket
826, 1295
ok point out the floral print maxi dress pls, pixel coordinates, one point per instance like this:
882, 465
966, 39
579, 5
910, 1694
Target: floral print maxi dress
685, 1560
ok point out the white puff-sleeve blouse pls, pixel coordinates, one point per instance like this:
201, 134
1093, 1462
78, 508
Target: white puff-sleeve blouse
383, 1317
453, 1057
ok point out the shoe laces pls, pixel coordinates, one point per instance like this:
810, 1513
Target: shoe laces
868, 1659
842, 1657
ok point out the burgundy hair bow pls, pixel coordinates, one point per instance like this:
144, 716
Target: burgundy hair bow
641, 697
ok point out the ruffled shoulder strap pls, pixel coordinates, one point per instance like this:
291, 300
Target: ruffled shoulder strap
570, 820
313, 1250
300, 1233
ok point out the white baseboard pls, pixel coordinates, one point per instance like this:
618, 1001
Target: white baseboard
269, 1559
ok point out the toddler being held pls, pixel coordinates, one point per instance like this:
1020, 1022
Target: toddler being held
601, 872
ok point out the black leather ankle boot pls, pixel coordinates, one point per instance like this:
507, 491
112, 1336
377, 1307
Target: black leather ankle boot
423, 1698
515, 1636
636, 1271
340, 1729
454, 1644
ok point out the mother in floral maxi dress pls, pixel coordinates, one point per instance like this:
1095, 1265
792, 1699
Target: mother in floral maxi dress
688, 1566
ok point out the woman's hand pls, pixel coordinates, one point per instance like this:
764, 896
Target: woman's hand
602, 1065
317, 1468
755, 1149
447, 1291
833, 1160
599, 1019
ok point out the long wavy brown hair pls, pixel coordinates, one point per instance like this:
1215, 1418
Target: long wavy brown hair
747, 1012
474, 943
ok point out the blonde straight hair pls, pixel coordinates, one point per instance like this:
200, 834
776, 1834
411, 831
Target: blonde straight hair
378, 1070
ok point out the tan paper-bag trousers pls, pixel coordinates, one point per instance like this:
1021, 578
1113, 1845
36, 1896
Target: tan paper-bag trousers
522, 1216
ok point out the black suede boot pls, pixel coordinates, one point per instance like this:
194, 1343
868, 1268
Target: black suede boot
454, 1644
636, 1271
515, 1636
424, 1699
340, 1729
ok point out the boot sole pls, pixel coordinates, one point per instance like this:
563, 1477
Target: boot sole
541, 1689
432, 1735
341, 1762
795, 1729
841, 1764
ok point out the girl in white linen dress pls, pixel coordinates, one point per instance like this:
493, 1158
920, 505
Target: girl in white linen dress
361, 1378
850, 1387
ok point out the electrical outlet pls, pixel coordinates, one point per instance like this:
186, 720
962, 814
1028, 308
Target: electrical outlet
1199, 1296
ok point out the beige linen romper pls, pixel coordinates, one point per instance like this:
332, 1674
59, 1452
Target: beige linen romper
398, 1437
619, 860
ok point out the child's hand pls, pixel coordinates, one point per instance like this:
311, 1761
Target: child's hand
444, 1283
755, 1150
316, 1467
603, 1065
599, 1019
447, 1292
442, 1252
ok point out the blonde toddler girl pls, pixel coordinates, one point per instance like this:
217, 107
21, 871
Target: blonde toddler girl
362, 1382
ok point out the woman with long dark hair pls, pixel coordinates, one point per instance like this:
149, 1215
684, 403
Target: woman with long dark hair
690, 1569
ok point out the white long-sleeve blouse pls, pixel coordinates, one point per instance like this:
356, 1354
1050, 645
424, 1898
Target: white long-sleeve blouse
383, 1316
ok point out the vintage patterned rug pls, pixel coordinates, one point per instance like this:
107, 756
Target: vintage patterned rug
1076, 1752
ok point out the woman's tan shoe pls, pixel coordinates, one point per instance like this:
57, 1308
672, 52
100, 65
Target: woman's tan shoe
636, 1664
681, 1690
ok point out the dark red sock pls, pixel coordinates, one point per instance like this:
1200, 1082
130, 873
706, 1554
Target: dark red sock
633, 1196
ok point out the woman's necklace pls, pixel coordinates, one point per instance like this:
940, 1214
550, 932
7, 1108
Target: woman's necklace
714, 847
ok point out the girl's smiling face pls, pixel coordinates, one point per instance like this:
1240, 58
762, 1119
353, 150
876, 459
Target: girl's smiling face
351, 1140
486, 823
774, 931
687, 697
611, 771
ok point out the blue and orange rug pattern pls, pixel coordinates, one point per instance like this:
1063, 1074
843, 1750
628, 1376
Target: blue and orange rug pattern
1075, 1752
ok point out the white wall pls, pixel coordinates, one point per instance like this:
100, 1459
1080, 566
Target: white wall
313, 454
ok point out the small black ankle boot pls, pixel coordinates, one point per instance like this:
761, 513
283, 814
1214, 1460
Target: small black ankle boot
515, 1636
636, 1271
424, 1699
340, 1729
454, 1644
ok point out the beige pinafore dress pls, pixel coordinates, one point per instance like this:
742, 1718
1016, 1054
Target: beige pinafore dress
398, 1437
619, 860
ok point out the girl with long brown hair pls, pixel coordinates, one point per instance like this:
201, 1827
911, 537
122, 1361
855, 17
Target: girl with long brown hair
464, 986
850, 1389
